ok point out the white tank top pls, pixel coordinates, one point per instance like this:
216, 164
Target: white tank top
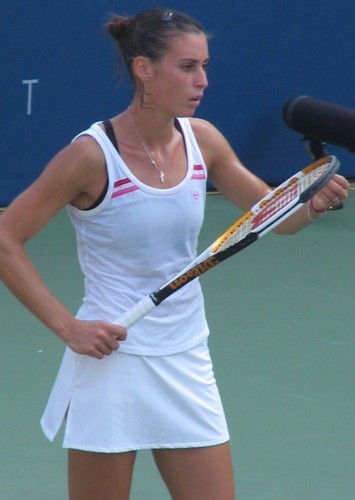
134, 241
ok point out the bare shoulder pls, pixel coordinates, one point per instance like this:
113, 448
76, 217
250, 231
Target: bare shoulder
84, 153
204, 131
82, 169
214, 146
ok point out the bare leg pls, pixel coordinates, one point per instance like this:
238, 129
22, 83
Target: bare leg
197, 473
104, 476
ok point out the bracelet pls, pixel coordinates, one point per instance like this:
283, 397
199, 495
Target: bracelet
310, 209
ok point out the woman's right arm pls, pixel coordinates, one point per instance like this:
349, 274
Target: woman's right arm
73, 176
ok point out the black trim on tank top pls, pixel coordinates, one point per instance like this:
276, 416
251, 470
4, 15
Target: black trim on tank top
111, 135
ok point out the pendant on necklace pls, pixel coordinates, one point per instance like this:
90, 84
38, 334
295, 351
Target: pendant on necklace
161, 173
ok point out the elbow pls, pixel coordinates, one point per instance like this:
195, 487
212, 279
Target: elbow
7, 246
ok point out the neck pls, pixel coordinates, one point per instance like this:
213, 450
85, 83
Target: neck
157, 131
153, 154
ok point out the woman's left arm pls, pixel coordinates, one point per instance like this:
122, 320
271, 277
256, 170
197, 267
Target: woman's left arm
234, 181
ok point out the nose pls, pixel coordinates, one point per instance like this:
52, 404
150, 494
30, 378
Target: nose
201, 79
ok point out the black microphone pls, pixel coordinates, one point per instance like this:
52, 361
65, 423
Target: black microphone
321, 121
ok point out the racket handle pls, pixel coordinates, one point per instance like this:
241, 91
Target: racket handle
136, 312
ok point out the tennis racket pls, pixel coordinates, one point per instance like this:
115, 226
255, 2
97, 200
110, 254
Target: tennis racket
265, 215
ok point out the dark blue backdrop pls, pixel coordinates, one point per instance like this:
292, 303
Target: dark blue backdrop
58, 76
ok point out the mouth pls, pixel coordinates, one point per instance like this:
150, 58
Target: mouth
196, 98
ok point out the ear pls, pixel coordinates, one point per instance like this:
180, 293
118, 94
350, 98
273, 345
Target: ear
142, 68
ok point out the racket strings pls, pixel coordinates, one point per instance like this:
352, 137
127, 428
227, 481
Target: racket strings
310, 177
273, 206
265, 211
283, 197
270, 207
234, 234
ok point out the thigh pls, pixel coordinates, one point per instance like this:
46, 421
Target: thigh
197, 473
104, 476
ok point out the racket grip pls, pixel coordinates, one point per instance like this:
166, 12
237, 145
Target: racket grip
136, 312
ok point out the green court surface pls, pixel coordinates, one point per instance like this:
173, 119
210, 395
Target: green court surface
282, 340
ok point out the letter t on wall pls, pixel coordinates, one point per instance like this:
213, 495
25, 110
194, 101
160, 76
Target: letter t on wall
29, 94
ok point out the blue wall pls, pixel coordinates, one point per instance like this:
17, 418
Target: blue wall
58, 75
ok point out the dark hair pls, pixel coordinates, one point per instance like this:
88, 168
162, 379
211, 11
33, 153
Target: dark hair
148, 33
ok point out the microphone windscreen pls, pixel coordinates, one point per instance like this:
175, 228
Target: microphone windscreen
321, 120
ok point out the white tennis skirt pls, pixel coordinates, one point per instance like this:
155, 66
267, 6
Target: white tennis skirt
127, 402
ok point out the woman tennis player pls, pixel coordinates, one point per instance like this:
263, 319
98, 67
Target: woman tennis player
134, 188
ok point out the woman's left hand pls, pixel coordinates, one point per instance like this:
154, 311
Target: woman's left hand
332, 194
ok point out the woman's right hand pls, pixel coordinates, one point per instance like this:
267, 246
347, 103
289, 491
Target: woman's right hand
94, 338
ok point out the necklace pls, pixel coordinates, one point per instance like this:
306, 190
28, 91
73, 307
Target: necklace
152, 161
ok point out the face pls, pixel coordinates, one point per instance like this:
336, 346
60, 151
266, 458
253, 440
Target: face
178, 80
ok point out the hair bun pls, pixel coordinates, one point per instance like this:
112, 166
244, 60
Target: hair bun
118, 26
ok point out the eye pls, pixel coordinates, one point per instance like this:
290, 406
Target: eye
188, 67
